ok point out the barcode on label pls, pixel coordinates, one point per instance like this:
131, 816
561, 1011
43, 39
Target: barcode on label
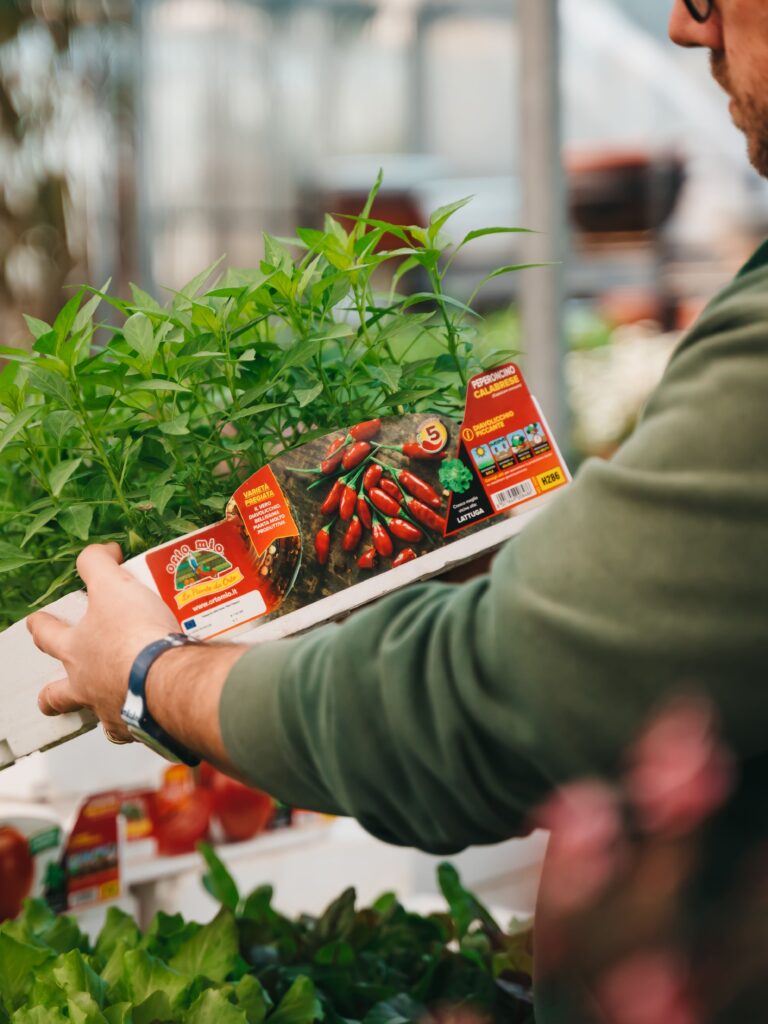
512, 495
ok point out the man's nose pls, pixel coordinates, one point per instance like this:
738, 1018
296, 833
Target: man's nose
686, 31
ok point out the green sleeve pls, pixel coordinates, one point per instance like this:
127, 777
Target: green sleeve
441, 715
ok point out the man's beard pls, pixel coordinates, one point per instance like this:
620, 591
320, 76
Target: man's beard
749, 116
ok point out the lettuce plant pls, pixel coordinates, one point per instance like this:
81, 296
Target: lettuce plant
250, 964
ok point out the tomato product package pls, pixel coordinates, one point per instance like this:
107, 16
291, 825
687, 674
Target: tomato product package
182, 812
239, 812
30, 844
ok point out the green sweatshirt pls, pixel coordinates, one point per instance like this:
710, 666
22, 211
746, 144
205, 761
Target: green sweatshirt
441, 715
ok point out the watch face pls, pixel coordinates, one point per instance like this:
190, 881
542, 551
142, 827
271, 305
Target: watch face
152, 743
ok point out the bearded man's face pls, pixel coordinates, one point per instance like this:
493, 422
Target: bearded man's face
749, 108
736, 33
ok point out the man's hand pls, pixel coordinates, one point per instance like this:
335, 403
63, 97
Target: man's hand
123, 616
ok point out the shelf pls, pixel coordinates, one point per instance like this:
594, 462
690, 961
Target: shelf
147, 872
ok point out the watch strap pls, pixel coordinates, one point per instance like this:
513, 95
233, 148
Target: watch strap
136, 714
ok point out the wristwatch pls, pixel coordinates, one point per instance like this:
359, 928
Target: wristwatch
136, 715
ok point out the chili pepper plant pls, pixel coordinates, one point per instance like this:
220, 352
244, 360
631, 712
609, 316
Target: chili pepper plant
140, 428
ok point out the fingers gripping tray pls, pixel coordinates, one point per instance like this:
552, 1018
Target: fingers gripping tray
323, 529
24, 670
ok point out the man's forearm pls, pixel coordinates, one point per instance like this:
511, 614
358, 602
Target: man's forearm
184, 689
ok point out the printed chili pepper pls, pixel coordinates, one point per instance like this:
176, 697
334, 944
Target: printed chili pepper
355, 453
347, 503
353, 535
383, 502
406, 555
391, 488
426, 516
333, 456
419, 488
323, 543
404, 530
365, 431
331, 503
364, 513
413, 450
382, 540
368, 559
371, 476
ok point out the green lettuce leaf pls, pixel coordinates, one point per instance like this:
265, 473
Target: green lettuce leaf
253, 999
83, 1009
119, 928
299, 1005
39, 1015
120, 1013
145, 975
212, 951
214, 1008
18, 961
75, 976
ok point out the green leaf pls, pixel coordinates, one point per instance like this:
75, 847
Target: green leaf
212, 951
37, 328
214, 1008
83, 1009
40, 521
217, 879
484, 232
338, 919
144, 976
61, 473
465, 907
39, 1015
85, 315
155, 1009
119, 1013
306, 395
76, 520
160, 496
167, 933
335, 954
176, 427
144, 300
12, 557
59, 423
18, 962
140, 336
500, 271
14, 426
193, 287
204, 316
118, 927
67, 578
74, 975
400, 1009
302, 353
299, 1005
443, 214
254, 410
389, 375
64, 322
50, 382
155, 385
253, 999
